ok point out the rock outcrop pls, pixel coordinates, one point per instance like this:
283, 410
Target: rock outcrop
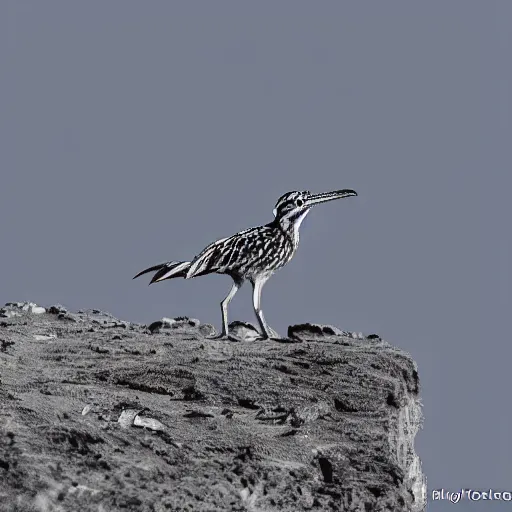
100, 414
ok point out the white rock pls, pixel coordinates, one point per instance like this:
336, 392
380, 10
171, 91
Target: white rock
31, 307
10, 314
127, 417
44, 337
152, 424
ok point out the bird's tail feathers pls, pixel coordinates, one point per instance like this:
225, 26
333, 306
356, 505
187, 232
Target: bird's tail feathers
150, 269
167, 270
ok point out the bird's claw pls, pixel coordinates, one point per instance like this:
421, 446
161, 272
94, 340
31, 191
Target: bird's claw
224, 336
220, 336
272, 335
269, 334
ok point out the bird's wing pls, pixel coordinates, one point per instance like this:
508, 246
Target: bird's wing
221, 256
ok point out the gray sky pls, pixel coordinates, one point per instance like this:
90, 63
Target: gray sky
136, 132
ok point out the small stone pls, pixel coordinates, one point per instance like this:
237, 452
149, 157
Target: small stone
198, 414
44, 337
56, 309
17, 305
172, 323
151, 423
207, 330
9, 314
127, 417
68, 317
168, 322
244, 331
155, 327
185, 321
315, 331
309, 413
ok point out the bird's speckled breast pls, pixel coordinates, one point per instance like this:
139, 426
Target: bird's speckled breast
265, 250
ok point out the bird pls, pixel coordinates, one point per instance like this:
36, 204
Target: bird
253, 254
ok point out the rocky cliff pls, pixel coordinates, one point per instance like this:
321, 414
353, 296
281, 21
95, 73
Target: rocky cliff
101, 414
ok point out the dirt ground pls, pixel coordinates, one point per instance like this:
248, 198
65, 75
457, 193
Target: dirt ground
97, 414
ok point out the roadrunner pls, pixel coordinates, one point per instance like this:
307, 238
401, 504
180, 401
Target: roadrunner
253, 254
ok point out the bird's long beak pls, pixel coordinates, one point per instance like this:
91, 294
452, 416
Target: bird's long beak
329, 196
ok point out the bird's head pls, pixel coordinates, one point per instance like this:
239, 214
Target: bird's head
292, 207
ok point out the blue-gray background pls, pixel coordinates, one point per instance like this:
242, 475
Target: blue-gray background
135, 132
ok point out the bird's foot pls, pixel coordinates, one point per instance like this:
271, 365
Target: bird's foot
232, 337
224, 336
270, 334
220, 336
274, 335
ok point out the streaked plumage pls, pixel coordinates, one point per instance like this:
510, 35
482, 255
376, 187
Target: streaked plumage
253, 254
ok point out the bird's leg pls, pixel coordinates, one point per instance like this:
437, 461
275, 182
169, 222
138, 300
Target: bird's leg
266, 331
224, 308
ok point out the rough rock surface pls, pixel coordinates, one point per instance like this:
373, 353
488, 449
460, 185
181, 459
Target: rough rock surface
100, 414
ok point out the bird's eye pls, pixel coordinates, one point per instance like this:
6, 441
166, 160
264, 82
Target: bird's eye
299, 202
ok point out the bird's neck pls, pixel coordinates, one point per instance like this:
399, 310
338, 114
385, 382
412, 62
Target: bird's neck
291, 227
